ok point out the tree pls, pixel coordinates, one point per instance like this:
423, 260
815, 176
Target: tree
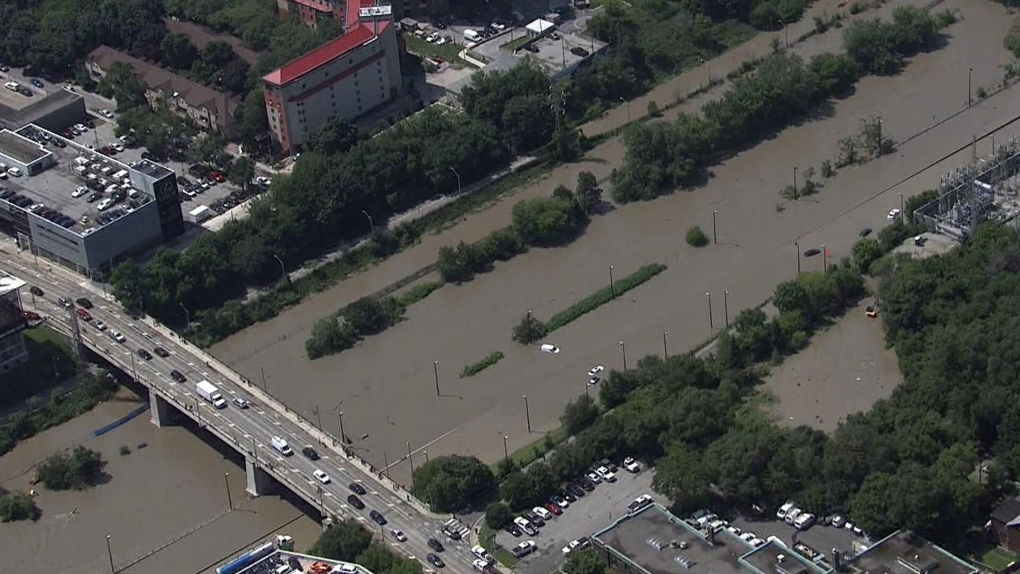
241, 172
178, 51
865, 252
584, 563
121, 84
18, 506
696, 237
345, 541
579, 414
528, 330
66, 471
790, 296
334, 136
545, 221
498, 515
588, 193
453, 483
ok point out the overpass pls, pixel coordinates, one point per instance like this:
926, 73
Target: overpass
249, 430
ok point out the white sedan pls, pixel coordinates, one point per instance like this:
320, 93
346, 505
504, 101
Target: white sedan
82, 190
106, 113
595, 370
117, 336
321, 476
594, 381
893, 214
399, 535
552, 349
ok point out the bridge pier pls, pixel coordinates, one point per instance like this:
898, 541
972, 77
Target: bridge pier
259, 481
159, 410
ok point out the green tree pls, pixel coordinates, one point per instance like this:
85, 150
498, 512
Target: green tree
453, 483
126, 285
241, 172
696, 237
498, 515
334, 136
18, 506
865, 252
584, 563
121, 84
790, 296
545, 221
579, 414
529, 330
588, 192
345, 541
178, 51
66, 471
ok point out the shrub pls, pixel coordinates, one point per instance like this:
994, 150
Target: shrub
475, 368
18, 506
497, 515
696, 237
74, 470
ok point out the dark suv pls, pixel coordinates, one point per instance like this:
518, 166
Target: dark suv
356, 502
310, 453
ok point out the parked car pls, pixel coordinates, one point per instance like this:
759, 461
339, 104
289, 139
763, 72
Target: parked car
558, 500
514, 530
37, 83
631, 465
554, 508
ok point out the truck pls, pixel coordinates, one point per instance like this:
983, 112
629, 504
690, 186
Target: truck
472, 36
209, 392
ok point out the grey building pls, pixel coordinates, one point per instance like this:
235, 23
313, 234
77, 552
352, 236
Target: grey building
79, 208
13, 352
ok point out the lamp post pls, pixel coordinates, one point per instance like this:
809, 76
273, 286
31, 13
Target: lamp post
902, 216
318, 419
506, 453
623, 348
715, 237
711, 321
187, 316
796, 193
226, 480
970, 75
527, 411
411, 462
458, 179
726, 306
109, 553
283, 270
529, 325
264, 387
371, 224
797, 243
612, 288
435, 369
426, 453
665, 346
340, 417
825, 262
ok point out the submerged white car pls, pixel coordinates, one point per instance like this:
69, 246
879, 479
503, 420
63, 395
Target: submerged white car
552, 349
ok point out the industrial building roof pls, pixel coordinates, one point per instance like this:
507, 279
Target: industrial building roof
17, 147
10, 283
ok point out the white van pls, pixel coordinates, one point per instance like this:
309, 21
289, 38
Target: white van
472, 36
344, 569
281, 446
120, 174
804, 521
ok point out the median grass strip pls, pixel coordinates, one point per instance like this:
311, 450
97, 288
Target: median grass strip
603, 296
475, 368
418, 292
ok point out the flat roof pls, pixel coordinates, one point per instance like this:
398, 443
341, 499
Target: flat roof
904, 553
151, 168
14, 118
777, 558
268, 564
53, 186
16, 146
659, 543
10, 283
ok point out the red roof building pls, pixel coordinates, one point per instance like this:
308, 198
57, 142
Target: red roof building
345, 77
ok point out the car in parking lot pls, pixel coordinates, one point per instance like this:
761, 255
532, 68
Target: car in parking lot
594, 478
435, 560
321, 476
37, 83
536, 520
357, 487
80, 191
310, 453
525, 525
606, 473
576, 546
377, 517
479, 565
177, 376
543, 512
106, 113
893, 214
514, 530
595, 370
558, 500
144, 354
435, 545
639, 503
781, 513
240, 403
356, 502
631, 465
523, 549
594, 380
554, 508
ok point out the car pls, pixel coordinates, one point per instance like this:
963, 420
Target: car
554, 508
82, 190
631, 465
479, 565
812, 252
356, 502
377, 517
871, 312
640, 502
607, 475
65, 302
588, 484
37, 83
58, 143
83, 302
240, 403
514, 530
14, 172
100, 325
321, 476
592, 381
105, 204
310, 454
399, 535
435, 560
784, 509
161, 352
144, 354
570, 547
893, 214
865, 232
559, 500
435, 545
358, 488
117, 146
525, 525
574, 490
117, 336
536, 520
594, 478
106, 113
523, 549
35, 291
96, 196
551, 349
595, 370
805, 521
30, 316
838, 521
792, 515
80, 128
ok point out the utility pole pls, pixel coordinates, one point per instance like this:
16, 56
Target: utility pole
797, 243
527, 411
715, 237
711, 321
411, 461
506, 453
623, 348
109, 553
435, 368
226, 479
726, 307
264, 387
318, 419
665, 347
612, 288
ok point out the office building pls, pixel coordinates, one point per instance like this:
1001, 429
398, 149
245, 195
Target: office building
12, 343
79, 208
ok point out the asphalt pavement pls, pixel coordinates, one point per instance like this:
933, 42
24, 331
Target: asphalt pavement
250, 430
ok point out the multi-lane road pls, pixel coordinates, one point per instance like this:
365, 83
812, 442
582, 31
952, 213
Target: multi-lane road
249, 430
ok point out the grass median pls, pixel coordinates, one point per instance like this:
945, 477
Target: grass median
475, 368
603, 296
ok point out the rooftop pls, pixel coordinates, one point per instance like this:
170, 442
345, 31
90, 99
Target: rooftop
269, 564
904, 553
654, 541
10, 283
53, 186
18, 147
776, 558
14, 118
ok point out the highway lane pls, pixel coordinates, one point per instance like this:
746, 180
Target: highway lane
251, 428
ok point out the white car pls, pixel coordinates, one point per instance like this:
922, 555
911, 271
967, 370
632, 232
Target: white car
15, 171
781, 513
105, 204
81, 128
792, 515
570, 547
479, 564
631, 465
594, 477
440, 41
431, 39
106, 113
606, 474
595, 370
399, 535
893, 214
118, 146
551, 349
117, 336
82, 190
594, 380
321, 476
99, 325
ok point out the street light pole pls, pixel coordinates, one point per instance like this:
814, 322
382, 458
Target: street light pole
970, 75
527, 411
226, 480
715, 237
506, 453
825, 262
711, 321
435, 368
623, 348
264, 387
371, 224
796, 193
902, 215
797, 243
343, 437
458, 179
187, 316
109, 554
318, 419
726, 306
665, 347
612, 288
411, 461
283, 270
529, 325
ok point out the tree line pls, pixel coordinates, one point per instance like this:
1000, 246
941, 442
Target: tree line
351, 542
783, 89
339, 190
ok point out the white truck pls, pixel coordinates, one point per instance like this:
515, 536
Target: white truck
209, 392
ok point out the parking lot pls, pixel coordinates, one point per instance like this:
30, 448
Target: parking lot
582, 518
819, 537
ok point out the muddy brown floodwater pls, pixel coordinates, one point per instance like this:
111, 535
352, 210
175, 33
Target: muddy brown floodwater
152, 497
385, 386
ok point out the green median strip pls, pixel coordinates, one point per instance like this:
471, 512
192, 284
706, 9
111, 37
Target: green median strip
475, 368
603, 296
